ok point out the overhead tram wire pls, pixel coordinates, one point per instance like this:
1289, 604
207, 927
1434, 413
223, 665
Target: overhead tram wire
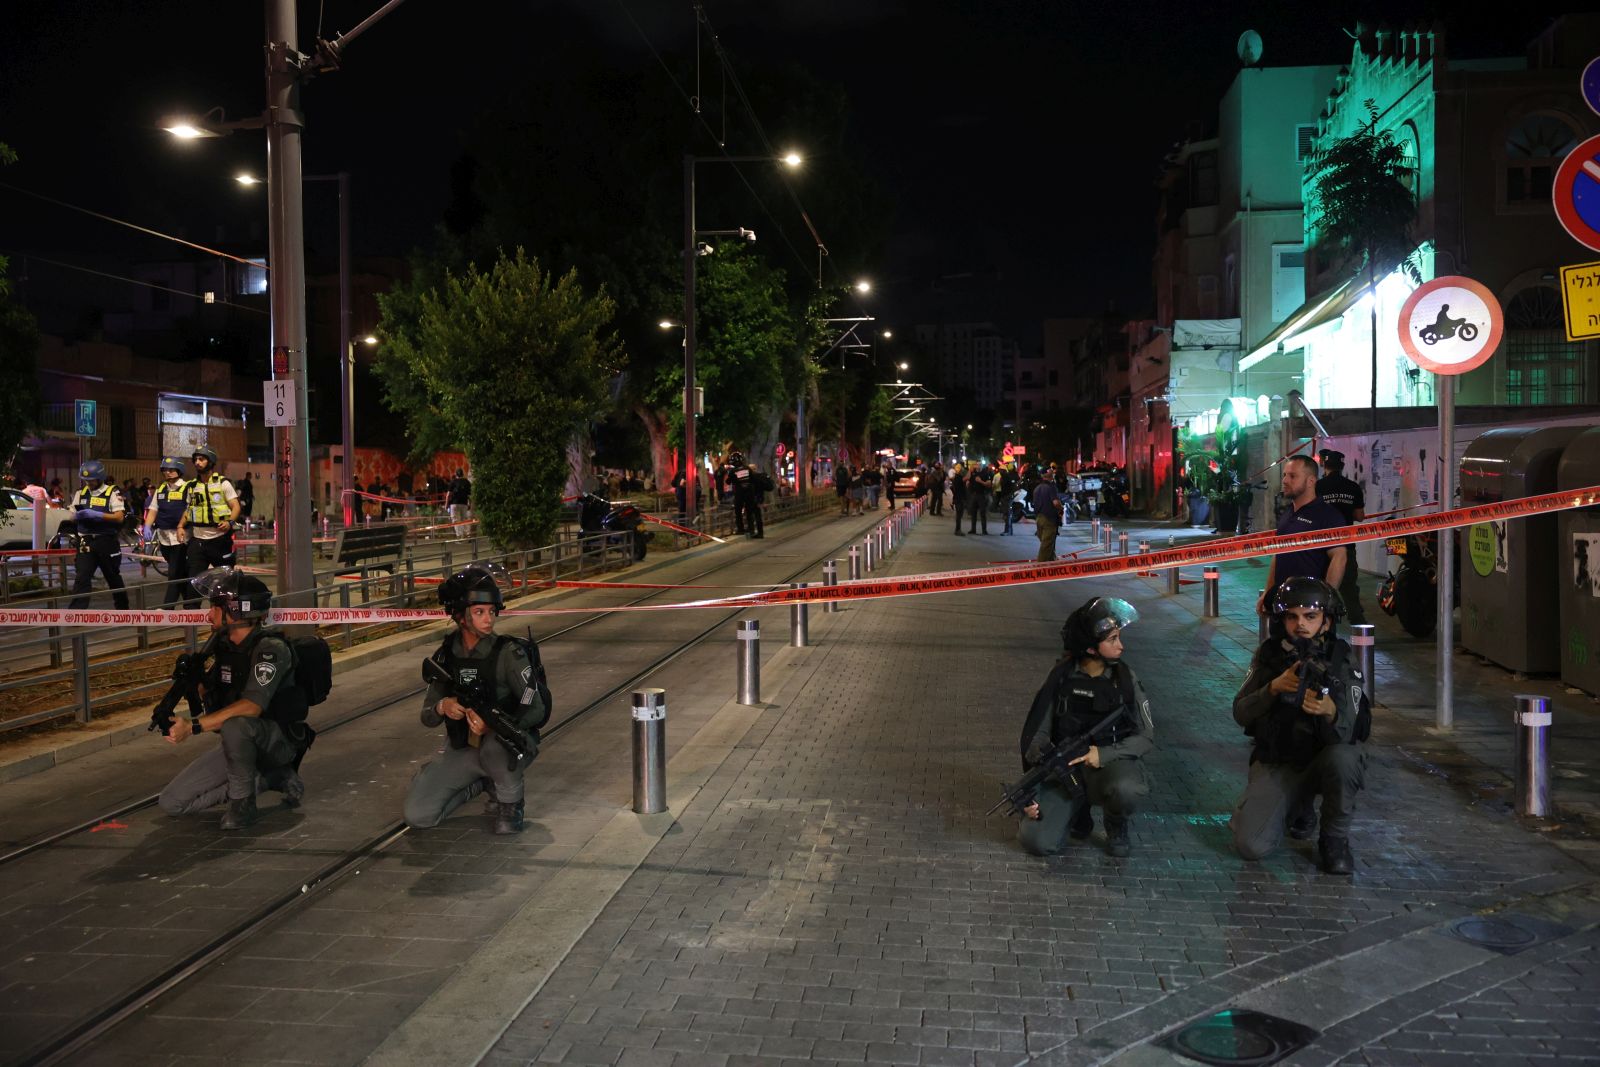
135, 226
721, 146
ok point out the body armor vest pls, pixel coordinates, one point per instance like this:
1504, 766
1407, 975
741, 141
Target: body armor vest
172, 500
230, 671
1084, 701
208, 502
100, 500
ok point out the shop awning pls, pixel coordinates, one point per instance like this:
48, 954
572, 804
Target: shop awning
1313, 313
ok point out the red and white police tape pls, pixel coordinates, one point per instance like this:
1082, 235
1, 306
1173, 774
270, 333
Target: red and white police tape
990, 577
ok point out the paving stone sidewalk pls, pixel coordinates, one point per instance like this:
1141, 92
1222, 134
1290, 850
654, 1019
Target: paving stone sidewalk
838, 895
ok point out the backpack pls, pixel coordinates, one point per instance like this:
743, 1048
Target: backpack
313, 667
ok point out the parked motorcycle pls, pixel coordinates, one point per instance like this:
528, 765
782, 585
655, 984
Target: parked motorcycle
596, 515
1412, 591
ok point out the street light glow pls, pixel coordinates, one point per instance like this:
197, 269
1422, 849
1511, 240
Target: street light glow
247, 179
666, 324
187, 131
792, 159
905, 366
369, 340
863, 286
888, 335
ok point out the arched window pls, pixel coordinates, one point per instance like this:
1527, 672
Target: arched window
1542, 366
1534, 148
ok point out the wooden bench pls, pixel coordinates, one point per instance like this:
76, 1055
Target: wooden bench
363, 549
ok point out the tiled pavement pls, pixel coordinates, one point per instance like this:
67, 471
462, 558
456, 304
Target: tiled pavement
839, 897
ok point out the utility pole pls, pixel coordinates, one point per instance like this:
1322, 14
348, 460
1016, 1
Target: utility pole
287, 292
691, 474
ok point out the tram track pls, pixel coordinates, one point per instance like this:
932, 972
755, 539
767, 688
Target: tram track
86, 1030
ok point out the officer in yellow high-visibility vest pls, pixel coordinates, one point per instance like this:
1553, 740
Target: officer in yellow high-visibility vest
213, 510
98, 511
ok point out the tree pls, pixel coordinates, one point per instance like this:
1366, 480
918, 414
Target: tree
510, 364
1364, 207
19, 361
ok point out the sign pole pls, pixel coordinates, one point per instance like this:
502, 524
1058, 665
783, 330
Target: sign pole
1444, 681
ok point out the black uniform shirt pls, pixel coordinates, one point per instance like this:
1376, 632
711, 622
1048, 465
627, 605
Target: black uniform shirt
1343, 494
1308, 562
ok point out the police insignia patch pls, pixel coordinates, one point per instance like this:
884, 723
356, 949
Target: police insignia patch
265, 672
527, 672
469, 675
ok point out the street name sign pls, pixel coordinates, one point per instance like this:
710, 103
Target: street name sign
1451, 325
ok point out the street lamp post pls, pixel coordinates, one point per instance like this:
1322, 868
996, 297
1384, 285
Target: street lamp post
691, 494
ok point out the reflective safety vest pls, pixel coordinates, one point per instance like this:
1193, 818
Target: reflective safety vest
100, 500
171, 500
208, 501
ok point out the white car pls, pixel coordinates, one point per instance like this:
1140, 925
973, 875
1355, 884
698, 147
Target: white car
16, 519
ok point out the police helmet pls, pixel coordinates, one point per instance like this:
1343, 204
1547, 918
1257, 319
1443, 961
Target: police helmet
93, 470
240, 595
205, 452
1303, 592
736, 458
173, 463
1094, 622
476, 583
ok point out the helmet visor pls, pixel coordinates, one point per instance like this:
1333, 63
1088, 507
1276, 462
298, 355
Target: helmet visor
214, 584
1111, 613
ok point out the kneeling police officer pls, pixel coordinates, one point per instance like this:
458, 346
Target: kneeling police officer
1089, 683
490, 676
1304, 707
251, 699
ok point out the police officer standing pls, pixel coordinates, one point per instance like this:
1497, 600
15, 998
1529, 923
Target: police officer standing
252, 700
213, 510
740, 479
163, 519
499, 667
1346, 496
1087, 685
98, 512
1302, 704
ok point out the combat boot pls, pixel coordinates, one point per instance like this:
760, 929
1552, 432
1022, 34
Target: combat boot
1117, 836
1336, 856
1081, 828
1303, 819
292, 788
509, 819
240, 813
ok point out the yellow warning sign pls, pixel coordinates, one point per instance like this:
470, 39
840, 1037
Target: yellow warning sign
1580, 293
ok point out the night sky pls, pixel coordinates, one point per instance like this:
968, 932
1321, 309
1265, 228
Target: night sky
1018, 140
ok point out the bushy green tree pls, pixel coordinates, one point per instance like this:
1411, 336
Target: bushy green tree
508, 364
19, 361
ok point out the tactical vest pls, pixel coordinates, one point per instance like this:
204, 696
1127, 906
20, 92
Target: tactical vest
230, 672
100, 500
1286, 734
482, 674
1084, 701
208, 501
172, 500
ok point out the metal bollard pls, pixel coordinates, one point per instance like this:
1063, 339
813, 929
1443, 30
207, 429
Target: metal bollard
1533, 755
855, 563
649, 751
878, 544
799, 620
1174, 581
1122, 543
1213, 579
749, 635
830, 577
1364, 639
1263, 623
80, 670
869, 560
1094, 531
1107, 531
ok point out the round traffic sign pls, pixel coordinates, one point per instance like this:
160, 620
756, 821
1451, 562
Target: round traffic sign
1576, 193
1589, 85
1451, 325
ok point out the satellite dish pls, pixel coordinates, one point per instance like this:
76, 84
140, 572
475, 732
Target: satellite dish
1249, 48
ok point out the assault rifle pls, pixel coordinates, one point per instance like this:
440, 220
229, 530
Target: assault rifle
475, 698
187, 674
1058, 762
1313, 671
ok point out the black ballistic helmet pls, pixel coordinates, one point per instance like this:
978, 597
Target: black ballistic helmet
1302, 592
240, 595
736, 458
476, 583
1093, 622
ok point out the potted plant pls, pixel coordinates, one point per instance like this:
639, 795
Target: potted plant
1199, 468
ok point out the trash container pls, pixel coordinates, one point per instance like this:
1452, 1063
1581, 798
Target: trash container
1509, 574
1578, 549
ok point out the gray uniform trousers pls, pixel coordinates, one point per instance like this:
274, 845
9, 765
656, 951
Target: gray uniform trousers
1116, 787
1350, 588
252, 750
444, 784
1274, 789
